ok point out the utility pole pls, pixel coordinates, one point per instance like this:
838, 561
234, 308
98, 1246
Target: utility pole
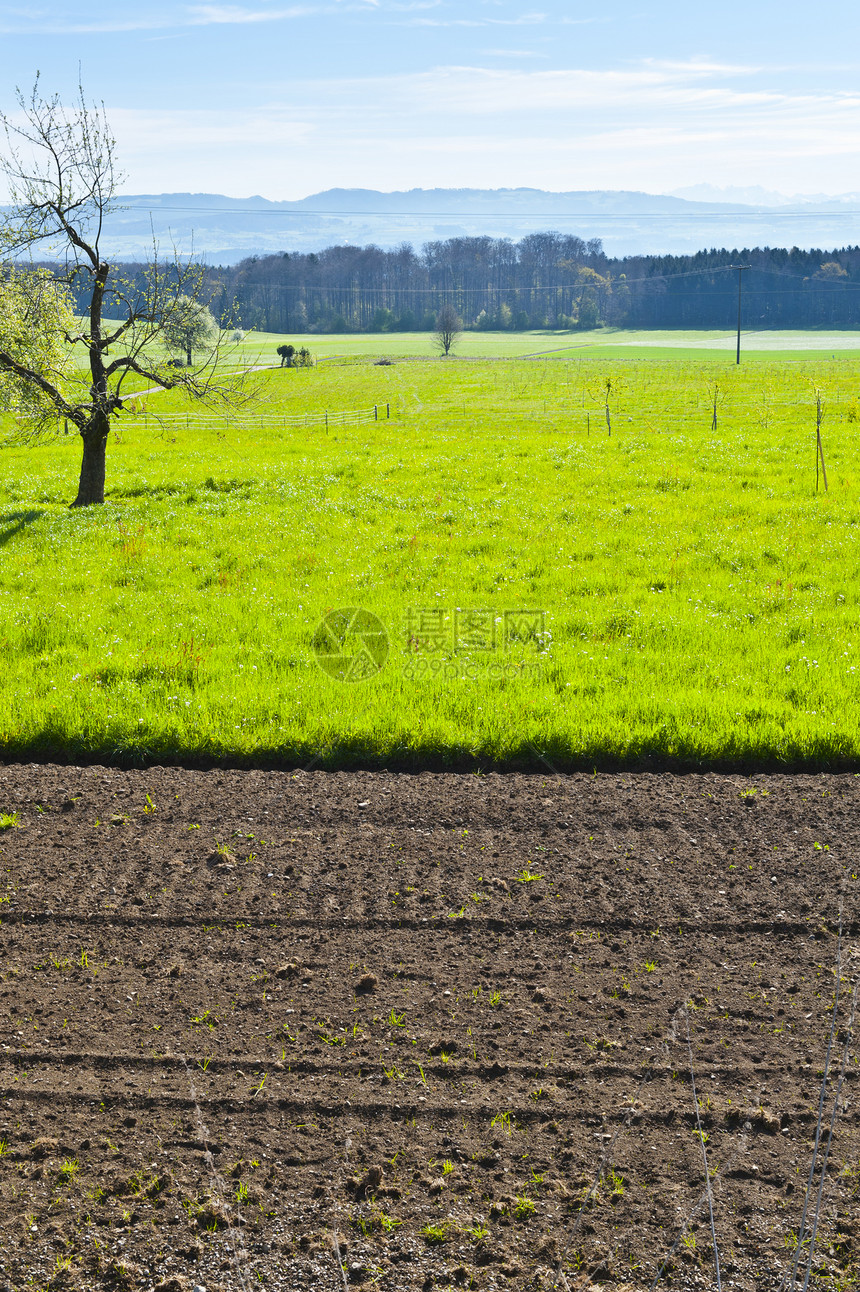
740, 269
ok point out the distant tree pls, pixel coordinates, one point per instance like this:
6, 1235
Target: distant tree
589, 294
190, 326
286, 352
448, 327
383, 320
60, 167
589, 314
831, 271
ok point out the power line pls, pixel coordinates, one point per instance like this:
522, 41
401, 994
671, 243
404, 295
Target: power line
354, 289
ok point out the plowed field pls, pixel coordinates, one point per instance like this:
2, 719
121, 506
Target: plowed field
302, 1030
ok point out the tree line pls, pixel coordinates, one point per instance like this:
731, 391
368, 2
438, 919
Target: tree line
546, 280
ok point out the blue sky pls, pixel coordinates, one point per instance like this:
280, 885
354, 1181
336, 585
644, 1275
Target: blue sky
285, 99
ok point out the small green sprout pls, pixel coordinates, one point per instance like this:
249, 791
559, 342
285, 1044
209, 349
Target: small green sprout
435, 1234
503, 1120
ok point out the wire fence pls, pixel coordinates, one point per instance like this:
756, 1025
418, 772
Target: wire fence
266, 421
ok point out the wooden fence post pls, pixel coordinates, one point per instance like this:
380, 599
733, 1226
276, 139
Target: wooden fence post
820, 450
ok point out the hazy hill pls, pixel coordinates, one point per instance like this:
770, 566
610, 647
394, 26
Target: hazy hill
225, 229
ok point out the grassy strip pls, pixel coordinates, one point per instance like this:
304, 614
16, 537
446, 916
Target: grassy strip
668, 344
699, 602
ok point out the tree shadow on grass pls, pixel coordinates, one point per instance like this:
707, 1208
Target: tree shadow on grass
16, 522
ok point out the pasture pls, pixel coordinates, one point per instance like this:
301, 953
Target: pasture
604, 343
548, 594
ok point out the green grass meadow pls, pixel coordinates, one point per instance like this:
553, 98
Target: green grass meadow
552, 596
602, 343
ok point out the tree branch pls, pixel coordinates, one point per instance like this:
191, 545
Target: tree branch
65, 409
129, 364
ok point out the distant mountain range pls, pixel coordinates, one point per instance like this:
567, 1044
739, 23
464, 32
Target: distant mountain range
754, 195
224, 230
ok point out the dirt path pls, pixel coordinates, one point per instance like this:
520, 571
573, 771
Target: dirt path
247, 1015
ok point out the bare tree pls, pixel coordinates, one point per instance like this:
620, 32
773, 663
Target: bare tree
60, 167
448, 327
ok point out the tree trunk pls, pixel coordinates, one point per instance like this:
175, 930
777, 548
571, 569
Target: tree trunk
188, 354
91, 488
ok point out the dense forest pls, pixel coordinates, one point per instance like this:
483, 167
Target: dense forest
546, 280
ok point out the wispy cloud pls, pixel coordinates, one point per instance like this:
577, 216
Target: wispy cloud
206, 14
649, 126
482, 91
204, 128
38, 25
34, 23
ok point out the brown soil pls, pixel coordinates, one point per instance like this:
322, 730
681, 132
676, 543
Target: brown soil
436, 1020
